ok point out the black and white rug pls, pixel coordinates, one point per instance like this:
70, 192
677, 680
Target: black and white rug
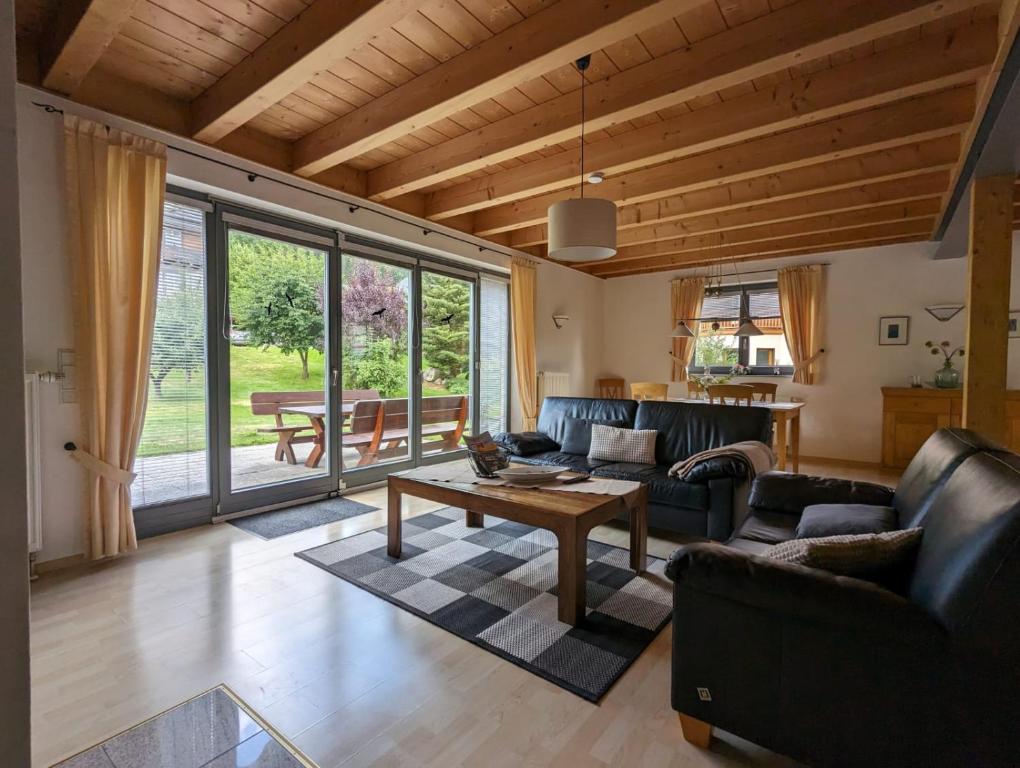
496, 587
281, 522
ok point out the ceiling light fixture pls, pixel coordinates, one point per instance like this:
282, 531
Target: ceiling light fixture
747, 326
596, 177
582, 229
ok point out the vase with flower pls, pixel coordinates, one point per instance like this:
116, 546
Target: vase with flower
946, 377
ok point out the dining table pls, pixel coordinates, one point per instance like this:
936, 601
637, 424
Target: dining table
316, 415
786, 420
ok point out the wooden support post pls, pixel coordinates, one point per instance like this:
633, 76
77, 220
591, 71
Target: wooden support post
988, 279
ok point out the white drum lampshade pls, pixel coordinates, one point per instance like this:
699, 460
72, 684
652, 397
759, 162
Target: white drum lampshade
583, 229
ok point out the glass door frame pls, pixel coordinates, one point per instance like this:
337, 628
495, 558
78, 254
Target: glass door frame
377, 473
426, 264
259, 223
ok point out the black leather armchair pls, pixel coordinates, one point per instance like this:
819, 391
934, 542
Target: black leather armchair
838, 671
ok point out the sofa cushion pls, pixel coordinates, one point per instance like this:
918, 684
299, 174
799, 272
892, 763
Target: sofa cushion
525, 443
867, 555
619, 444
565, 460
767, 527
821, 520
718, 466
662, 489
689, 428
577, 433
556, 410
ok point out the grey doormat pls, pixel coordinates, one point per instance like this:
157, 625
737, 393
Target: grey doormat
280, 522
496, 587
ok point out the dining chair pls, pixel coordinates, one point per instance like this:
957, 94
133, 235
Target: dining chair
648, 390
738, 393
763, 391
695, 389
609, 388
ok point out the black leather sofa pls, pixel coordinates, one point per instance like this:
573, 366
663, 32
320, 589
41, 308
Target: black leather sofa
709, 507
837, 671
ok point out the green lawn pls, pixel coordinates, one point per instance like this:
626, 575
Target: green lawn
175, 422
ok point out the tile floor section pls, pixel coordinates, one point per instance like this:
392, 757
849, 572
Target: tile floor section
208, 731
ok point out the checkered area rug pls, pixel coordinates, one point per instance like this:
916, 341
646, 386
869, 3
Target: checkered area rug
496, 587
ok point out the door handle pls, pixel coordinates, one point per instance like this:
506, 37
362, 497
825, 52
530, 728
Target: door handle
336, 375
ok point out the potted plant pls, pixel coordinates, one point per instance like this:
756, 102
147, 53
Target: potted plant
946, 377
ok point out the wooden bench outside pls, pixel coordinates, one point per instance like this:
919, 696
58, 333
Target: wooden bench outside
269, 404
379, 428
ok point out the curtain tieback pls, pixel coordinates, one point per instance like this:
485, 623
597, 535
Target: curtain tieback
808, 361
102, 469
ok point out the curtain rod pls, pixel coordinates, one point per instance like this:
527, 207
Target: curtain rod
770, 271
352, 205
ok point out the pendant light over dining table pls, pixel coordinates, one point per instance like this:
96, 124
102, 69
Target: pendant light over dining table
583, 228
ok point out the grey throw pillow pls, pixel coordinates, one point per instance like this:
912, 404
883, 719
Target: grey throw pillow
820, 520
635, 446
577, 434
865, 555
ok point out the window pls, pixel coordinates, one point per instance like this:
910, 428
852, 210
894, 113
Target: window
173, 462
717, 350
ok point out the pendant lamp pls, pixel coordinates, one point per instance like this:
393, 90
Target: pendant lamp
747, 326
582, 229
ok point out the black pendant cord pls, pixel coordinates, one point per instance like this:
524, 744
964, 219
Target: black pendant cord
582, 65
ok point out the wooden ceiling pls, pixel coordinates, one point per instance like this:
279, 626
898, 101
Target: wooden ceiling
730, 129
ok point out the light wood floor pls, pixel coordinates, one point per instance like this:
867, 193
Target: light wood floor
349, 678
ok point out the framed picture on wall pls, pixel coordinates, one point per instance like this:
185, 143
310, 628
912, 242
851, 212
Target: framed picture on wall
894, 331
1014, 323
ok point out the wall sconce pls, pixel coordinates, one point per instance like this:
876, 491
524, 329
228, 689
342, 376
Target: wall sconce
560, 320
944, 312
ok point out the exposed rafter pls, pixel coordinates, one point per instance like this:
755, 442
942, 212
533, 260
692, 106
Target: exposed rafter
936, 62
81, 33
562, 32
922, 118
322, 34
797, 33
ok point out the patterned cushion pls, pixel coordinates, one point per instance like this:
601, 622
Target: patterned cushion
577, 434
865, 554
635, 446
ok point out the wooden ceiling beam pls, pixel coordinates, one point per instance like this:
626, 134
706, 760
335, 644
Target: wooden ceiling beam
797, 33
560, 33
836, 201
1009, 32
918, 119
830, 222
319, 36
936, 62
82, 30
710, 257
877, 233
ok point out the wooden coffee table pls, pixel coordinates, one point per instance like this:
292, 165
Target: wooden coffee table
569, 515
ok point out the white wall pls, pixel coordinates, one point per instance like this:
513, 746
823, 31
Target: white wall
843, 415
47, 280
577, 347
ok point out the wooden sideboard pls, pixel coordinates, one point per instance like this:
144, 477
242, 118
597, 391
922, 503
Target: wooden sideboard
910, 416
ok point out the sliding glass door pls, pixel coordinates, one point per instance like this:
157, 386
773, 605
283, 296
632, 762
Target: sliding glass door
288, 364
276, 404
447, 361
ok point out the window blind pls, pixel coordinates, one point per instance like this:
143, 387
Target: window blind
173, 461
493, 354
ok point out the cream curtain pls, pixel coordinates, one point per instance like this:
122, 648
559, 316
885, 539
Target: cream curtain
522, 303
686, 296
115, 190
800, 304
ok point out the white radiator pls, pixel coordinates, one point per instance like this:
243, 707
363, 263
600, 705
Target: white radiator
552, 385
32, 460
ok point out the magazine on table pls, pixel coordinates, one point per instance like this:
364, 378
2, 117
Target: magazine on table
485, 456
